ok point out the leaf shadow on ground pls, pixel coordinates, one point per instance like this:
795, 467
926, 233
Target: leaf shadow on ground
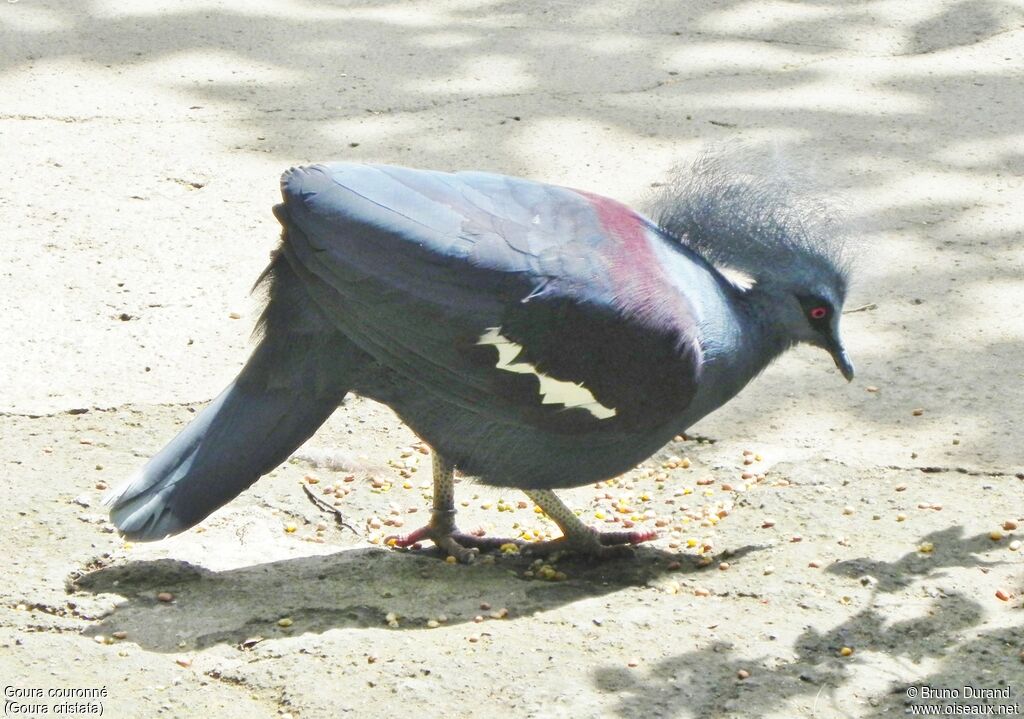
373, 80
499, 85
705, 682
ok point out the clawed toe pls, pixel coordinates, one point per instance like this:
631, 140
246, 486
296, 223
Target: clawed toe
463, 546
637, 537
592, 543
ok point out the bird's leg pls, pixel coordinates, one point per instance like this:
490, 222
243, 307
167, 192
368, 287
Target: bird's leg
577, 536
441, 529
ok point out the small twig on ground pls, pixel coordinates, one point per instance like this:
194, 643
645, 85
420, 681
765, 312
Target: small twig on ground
862, 308
323, 506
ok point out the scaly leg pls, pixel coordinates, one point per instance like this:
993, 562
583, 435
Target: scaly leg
577, 536
441, 529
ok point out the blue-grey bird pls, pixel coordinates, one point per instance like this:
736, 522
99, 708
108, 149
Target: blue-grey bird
535, 336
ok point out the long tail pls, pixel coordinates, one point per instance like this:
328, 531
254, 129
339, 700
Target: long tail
298, 374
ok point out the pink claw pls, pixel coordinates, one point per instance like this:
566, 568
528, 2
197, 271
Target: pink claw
642, 536
407, 540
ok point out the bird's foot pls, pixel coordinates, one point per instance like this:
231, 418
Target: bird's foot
591, 543
465, 547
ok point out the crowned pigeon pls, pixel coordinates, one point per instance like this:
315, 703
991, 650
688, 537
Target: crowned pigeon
535, 336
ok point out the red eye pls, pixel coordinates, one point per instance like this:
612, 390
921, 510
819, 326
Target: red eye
818, 313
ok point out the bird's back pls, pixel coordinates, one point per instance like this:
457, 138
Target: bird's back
511, 319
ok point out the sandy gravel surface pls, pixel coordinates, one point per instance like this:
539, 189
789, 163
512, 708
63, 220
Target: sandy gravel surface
141, 148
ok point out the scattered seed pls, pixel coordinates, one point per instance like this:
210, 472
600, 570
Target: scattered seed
926, 547
901, 488
1009, 525
120, 634
165, 597
433, 623
633, 663
743, 674
995, 535
848, 510
290, 527
724, 566
768, 523
1003, 594
183, 662
901, 517
814, 564
796, 538
285, 622
917, 412
1014, 545
845, 651
768, 570
701, 592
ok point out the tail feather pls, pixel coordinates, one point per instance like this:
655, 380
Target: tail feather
298, 374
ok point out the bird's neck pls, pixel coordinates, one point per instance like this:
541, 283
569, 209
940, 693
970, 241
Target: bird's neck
738, 346
766, 336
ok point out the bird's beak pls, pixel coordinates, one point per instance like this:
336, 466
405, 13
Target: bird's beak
842, 359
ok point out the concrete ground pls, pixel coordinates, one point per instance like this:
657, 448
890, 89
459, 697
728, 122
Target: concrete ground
865, 568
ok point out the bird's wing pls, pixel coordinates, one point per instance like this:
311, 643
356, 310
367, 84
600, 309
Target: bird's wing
523, 301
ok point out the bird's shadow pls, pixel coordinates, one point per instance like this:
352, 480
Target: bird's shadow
354, 588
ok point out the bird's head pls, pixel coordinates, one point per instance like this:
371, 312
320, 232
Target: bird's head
752, 217
810, 311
